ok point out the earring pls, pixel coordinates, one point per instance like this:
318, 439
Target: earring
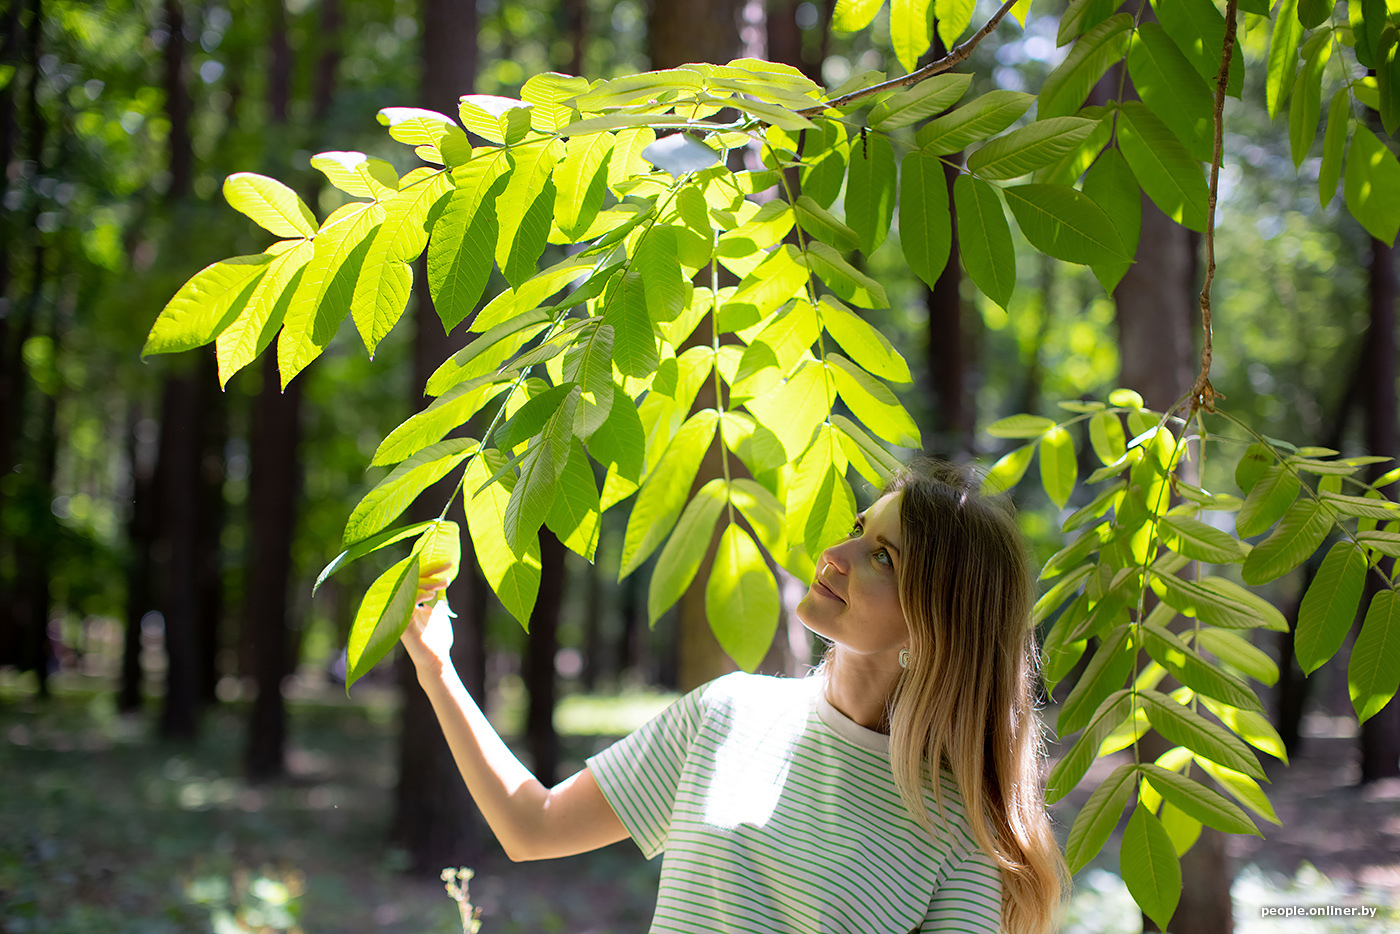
903, 658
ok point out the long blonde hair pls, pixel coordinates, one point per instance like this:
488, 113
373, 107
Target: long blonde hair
965, 701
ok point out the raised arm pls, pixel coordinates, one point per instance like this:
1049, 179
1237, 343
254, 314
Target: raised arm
531, 821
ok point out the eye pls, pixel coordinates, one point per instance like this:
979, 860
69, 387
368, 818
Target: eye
856, 531
884, 558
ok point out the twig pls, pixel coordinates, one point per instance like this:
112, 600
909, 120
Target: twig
1203, 395
960, 54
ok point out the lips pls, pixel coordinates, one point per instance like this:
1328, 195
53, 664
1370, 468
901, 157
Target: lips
824, 590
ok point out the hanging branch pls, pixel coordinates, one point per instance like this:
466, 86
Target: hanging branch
960, 54
1203, 395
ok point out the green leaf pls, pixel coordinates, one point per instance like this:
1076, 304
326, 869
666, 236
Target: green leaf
524, 208
872, 461
1107, 498
1194, 798
1283, 55
842, 278
665, 490
271, 204
540, 471
911, 30
984, 238
634, 343
1301, 530
1147, 860
1313, 13
741, 599
415, 126
817, 222
1059, 593
870, 190
1106, 436
589, 363
531, 418
863, 343
516, 581
1190, 668
391, 496
464, 238
1365, 507
1269, 498
580, 180
684, 551
1169, 174
793, 409
854, 15
1239, 653
1111, 185
366, 547
574, 516
1008, 470
1256, 459
1367, 20
1058, 468
485, 353
1064, 223
1373, 674
383, 616
1241, 787
1250, 725
1115, 709
356, 174
873, 403
823, 169
1387, 543
1182, 726
1069, 84
381, 291
1388, 77
925, 228
209, 302
952, 17
549, 93
1172, 89
1198, 30
924, 99
1026, 149
1329, 606
663, 282
1306, 105
1107, 671
1080, 15
1195, 539
1059, 653
976, 120
249, 334
1096, 821
774, 281
1372, 185
619, 445
450, 410
631, 89
1217, 602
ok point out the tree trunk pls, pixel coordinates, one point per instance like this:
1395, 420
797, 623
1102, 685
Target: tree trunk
177, 102
273, 490
434, 817
212, 515
1380, 735
180, 455
951, 433
141, 530
540, 683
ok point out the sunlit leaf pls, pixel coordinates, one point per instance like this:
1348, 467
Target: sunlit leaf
1373, 674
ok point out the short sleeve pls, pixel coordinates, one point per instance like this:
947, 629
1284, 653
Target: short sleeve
969, 900
639, 773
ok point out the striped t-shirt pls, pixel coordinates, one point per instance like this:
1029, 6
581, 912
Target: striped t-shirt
779, 814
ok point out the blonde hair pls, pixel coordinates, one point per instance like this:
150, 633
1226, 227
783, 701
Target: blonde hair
965, 701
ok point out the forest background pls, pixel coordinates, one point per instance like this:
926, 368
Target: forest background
136, 493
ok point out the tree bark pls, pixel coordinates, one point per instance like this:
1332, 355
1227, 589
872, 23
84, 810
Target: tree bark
952, 414
212, 515
180, 455
540, 683
1380, 735
177, 102
141, 530
273, 491
434, 817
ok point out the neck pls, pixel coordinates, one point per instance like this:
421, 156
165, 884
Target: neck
859, 686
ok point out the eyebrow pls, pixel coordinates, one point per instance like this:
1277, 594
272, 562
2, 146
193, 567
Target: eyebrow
886, 541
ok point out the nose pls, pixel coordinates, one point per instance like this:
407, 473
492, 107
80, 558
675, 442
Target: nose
835, 555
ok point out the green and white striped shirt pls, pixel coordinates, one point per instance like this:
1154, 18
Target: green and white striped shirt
779, 815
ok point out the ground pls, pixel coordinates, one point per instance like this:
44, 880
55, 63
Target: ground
105, 828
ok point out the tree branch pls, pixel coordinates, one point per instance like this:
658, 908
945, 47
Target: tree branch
960, 54
1203, 395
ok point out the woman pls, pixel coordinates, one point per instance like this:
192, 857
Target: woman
796, 805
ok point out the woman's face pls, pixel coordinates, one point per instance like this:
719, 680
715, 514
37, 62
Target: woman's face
854, 600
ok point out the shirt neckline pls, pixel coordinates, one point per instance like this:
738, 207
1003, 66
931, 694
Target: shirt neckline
846, 728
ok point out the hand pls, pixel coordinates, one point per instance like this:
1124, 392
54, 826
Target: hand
428, 637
